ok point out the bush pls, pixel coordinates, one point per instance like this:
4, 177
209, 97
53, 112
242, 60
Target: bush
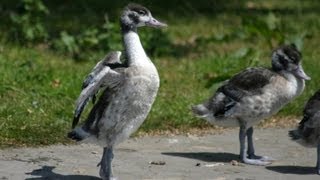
27, 21
28, 27
91, 39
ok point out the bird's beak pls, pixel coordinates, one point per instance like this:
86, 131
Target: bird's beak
155, 23
300, 73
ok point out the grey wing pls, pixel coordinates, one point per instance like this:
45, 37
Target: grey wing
106, 78
248, 82
111, 59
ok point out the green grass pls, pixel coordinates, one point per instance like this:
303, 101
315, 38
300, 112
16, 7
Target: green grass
208, 44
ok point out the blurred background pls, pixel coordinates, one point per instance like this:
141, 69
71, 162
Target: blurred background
48, 47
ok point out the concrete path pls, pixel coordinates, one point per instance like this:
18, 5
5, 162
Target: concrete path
165, 157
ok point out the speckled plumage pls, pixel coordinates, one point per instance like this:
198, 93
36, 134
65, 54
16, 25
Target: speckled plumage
308, 131
255, 94
122, 109
129, 90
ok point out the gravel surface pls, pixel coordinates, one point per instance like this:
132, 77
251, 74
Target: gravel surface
165, 157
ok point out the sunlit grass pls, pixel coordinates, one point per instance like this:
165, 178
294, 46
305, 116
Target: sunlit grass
39, 87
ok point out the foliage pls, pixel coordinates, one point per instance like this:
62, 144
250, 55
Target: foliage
28, 27
270, 28
157, 43
27, 23
79, 46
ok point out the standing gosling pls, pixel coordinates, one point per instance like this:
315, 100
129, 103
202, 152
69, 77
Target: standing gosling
129, 90
253, 95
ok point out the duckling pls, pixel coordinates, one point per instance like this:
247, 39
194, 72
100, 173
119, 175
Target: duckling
129, 90
308, 131
255, 94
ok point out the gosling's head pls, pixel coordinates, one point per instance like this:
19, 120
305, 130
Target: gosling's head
135, 15
288, 58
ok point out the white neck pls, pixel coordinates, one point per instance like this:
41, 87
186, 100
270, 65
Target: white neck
135, 53
295, 86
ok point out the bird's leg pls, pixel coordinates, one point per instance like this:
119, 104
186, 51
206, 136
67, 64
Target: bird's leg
243, 157
318, 159
242, 139
106, 167
250, 151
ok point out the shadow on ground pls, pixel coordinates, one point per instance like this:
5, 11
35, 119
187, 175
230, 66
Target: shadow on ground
205, 156
46, 173
292, 169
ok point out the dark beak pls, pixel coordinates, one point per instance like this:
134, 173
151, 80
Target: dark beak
155, 23
299, 72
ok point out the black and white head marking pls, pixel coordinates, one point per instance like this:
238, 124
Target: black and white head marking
135, 15
288, 58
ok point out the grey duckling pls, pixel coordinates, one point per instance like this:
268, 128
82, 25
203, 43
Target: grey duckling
128, 90
255, 94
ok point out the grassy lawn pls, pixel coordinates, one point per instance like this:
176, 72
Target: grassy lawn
206, 43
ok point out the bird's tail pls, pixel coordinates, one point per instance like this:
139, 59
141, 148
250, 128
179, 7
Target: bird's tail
78, 134
295, 134
200, 110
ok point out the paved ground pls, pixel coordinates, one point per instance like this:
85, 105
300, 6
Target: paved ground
185, 157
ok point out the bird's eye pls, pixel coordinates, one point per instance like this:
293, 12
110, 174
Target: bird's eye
283, 60
293, 59
142, 12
